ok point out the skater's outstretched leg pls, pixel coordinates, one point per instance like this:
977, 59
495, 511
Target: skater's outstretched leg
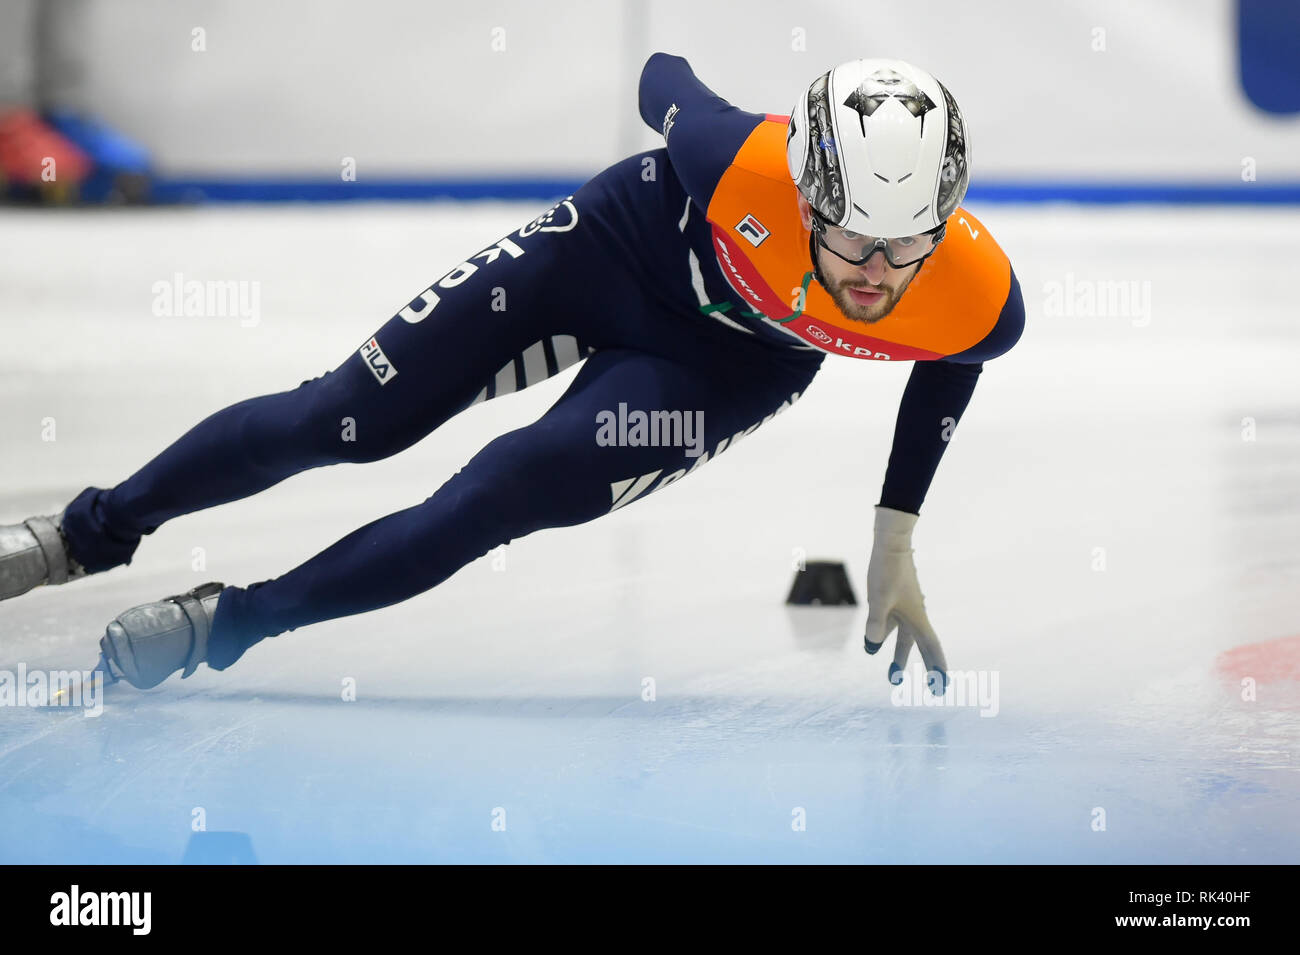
232, 454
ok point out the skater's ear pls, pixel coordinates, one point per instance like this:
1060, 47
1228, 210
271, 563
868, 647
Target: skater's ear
805, 212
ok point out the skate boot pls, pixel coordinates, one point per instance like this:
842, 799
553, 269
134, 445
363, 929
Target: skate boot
149, 643
34, 553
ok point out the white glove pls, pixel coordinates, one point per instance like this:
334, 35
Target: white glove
894, 599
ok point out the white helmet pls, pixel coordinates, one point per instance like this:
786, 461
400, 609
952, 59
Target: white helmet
879, 147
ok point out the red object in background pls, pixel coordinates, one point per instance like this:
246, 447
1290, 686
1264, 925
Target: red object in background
1270, 661
1273, 665
27, 146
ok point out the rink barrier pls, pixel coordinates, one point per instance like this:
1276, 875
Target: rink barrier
185, 190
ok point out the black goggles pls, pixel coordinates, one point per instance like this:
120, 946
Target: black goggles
856, 249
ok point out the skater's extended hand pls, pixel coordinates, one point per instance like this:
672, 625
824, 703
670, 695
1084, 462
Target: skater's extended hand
894, 599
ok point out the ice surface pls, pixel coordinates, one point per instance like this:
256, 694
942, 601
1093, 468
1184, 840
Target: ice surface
520, 688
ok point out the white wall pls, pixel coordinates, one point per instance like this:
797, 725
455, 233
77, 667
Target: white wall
415, 88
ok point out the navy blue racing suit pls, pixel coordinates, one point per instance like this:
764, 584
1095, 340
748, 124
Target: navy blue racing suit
604, 277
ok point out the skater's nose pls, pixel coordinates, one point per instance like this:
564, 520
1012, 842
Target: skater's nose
875, 269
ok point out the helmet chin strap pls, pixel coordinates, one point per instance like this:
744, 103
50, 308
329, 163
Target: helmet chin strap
812, 254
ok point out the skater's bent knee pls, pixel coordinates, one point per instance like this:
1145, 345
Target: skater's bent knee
518, 486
